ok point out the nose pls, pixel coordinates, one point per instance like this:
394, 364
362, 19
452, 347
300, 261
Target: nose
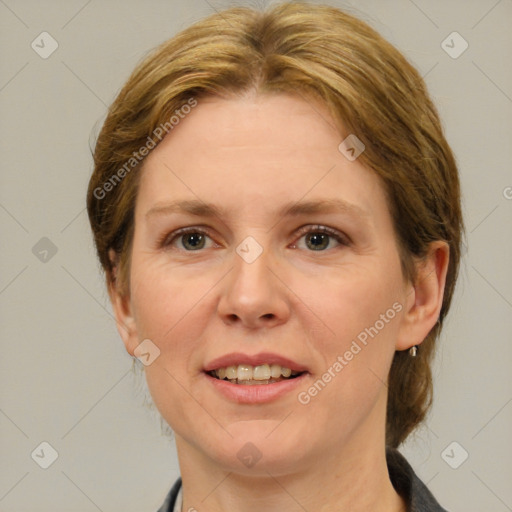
253, 295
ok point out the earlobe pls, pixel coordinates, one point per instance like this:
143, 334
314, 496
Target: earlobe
424, 301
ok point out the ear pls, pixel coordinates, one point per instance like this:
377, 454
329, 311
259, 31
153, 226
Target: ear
122, 307
424, 298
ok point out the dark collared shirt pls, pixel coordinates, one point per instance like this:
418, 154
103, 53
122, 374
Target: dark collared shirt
416, 495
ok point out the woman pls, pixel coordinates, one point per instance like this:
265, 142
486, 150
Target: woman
278, 215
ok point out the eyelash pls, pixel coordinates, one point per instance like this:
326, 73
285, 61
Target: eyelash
166, 240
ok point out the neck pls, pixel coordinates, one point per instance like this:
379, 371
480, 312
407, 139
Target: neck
354, 478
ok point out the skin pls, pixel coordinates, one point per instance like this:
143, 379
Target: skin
251, 156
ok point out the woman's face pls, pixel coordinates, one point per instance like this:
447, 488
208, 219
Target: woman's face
289, 258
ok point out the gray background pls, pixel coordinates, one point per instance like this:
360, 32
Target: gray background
65, 377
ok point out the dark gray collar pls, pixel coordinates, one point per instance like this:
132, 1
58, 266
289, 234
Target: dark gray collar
406, 483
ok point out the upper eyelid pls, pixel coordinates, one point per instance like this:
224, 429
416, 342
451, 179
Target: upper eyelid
322, 229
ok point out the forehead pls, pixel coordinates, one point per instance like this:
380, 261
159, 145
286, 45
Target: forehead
256, 152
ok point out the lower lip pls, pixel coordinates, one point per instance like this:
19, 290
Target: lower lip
258, 393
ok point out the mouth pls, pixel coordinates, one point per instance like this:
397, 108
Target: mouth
249, 375
255, 379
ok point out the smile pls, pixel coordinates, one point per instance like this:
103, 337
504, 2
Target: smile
249, 375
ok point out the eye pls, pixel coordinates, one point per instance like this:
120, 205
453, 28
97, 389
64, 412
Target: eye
316, 238
189, 239
319, 238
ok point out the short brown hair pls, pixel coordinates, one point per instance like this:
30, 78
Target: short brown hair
371, 90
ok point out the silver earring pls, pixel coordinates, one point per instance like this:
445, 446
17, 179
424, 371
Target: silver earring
413, 351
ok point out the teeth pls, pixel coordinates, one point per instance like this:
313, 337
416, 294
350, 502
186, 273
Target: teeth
230, 372
246, 373
275, 371
261, 372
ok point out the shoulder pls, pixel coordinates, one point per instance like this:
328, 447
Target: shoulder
409, 486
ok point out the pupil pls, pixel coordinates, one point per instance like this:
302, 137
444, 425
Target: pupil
194, 240
318, 240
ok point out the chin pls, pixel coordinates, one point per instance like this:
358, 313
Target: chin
258, 448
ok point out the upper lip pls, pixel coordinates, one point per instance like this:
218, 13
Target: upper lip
236, 358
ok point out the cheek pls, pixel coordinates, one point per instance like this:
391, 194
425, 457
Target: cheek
353, 300
171, 397
164, 301
356, 345
169, 311
361, 314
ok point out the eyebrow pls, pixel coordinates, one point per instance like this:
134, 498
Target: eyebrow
202, 209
